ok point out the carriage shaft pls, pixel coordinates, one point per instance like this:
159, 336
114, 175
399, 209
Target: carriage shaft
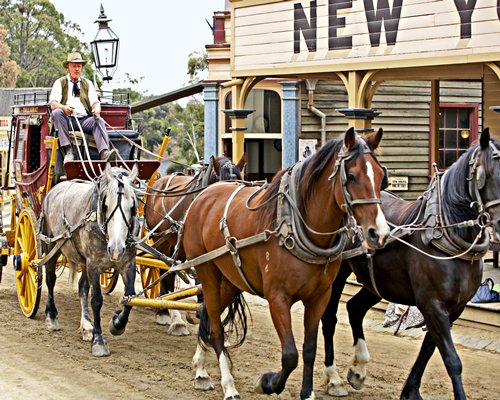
160, 303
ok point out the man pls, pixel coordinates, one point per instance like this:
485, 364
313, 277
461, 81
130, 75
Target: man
74, 98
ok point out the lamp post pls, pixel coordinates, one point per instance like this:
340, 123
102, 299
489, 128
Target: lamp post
105, 48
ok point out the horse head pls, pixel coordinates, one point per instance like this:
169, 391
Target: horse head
360, 178
226, 170
118, 209
486, 178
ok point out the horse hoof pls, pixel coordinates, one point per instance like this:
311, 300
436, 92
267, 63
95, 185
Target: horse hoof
355, 380
113, 330
52, 324
100, 350
258, 387
87, 335
178, 329
336, 391
232, 397
163, 319
192, 318
203, 383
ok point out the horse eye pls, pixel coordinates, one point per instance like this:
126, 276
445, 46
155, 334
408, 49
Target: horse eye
351, 177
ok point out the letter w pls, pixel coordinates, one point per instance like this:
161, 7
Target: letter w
390, 18
300, 24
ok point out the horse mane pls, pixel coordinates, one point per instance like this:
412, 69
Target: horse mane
312, 169
456, 197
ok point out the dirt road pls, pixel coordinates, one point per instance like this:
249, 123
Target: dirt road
146, 363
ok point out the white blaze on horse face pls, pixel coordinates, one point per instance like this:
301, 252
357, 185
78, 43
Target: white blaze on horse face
117, 227
381, 222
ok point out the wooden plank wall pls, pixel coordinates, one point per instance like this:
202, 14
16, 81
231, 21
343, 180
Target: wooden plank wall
405, 118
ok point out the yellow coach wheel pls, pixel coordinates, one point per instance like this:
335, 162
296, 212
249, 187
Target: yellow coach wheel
108, 279
149, 275
26, 249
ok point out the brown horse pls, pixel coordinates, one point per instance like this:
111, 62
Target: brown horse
436, 266
286, 240
166, 203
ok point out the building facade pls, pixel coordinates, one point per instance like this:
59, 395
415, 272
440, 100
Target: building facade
285, 76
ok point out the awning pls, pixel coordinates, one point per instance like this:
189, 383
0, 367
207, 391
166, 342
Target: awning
167, 97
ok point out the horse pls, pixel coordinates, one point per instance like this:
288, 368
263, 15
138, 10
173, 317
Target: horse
435, 264
291, 235
166, 203
90, 223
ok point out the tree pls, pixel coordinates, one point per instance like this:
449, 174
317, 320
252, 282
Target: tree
9, 69
197, 63
188, 128
39, 38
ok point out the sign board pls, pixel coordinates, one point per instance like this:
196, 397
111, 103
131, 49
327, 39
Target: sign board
309, 36
398, 183
306, 148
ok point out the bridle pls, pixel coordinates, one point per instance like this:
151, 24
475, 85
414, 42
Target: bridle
228, 171
476, 173
339, 167
131, 224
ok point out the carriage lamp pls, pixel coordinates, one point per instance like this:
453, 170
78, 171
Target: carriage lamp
105, 48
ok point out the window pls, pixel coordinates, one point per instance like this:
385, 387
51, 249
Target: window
457, 131
267, 115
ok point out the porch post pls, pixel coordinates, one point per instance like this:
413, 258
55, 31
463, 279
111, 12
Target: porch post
290, 135
211, 120
238, 120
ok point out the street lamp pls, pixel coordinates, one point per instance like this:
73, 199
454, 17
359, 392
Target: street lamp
105, 48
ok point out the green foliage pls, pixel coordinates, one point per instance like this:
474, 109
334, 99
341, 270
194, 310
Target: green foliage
197, 63
40, 39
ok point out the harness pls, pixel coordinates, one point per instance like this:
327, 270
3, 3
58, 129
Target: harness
434, 225
93, 220
290, 227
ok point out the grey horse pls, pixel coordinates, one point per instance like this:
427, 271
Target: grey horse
90, 223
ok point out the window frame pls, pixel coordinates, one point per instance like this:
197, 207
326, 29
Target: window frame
473, 125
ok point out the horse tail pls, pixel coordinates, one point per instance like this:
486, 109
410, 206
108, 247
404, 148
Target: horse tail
236, 321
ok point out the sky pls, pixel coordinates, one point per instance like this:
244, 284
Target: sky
156, 37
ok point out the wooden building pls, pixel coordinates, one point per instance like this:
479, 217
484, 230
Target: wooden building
286, 75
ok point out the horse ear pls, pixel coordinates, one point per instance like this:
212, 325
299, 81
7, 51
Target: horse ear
350, 138
133, 173
374, 139
484, 140
216, 164
242, 162
107, 172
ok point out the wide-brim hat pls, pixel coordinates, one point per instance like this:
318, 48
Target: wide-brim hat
75, 58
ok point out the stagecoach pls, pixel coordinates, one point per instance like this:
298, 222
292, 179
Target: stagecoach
37, 166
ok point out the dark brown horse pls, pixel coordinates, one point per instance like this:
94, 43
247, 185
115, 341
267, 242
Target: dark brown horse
166, 203
436, 268
285, 242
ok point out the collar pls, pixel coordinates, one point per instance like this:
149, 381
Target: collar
69, 79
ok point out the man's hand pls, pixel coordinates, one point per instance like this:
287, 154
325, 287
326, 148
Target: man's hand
67, 109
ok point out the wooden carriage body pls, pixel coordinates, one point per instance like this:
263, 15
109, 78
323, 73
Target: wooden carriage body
33, 142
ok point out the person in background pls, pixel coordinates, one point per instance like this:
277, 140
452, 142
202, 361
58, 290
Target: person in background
73, 98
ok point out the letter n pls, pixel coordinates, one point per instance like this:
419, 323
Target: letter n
300, 24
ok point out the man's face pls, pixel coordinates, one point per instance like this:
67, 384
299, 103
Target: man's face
75, 70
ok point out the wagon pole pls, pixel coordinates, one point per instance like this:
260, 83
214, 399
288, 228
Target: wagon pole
52, 142
166, 138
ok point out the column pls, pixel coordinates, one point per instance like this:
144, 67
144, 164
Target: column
211, 121
238, 128
291, 108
